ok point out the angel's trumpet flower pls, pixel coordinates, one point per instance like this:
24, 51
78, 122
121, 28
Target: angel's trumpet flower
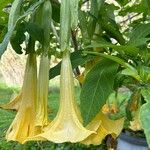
107, 126
66, 126
42, 93
23, 125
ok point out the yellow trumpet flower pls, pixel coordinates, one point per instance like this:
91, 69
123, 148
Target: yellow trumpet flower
42, 93
23, 125
107, 126
66, 126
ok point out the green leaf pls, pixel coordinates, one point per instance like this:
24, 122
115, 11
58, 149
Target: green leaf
120, 48
146, 94
144, 72
56, 9
97, 86
18, 38
111, 57
35, 31
13, 23
139, 35
76, 59
131, 72
146, 4
112, 29
83, 26
145, 120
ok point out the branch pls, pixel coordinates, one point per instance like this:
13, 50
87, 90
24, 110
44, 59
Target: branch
129, 18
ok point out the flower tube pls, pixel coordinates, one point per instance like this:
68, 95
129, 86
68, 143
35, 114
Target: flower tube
42, 93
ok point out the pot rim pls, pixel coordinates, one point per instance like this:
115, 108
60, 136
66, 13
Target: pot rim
133, 140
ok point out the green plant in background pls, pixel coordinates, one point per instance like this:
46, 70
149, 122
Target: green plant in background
114, 54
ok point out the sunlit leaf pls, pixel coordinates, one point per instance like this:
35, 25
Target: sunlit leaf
99, 83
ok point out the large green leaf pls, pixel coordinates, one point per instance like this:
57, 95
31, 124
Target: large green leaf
97, 87
145, 120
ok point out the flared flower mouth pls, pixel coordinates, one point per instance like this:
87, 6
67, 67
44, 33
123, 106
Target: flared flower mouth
14, 102
106, 127
66, 126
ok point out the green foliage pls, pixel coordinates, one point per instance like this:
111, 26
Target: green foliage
96, 88
56, 9
3, 17
146, 94
13, 22
145, 119
18, 38
35, 31
77, 59
118, 100
120, 48
139, 35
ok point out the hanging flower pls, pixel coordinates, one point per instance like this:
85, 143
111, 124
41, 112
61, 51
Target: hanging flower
23, 125
106, 127
42, 93
66, 126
